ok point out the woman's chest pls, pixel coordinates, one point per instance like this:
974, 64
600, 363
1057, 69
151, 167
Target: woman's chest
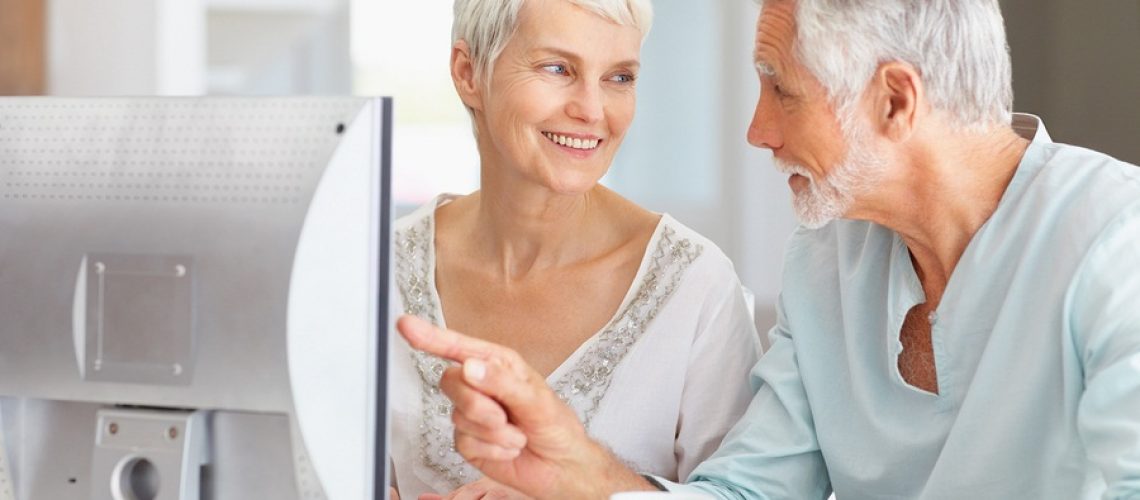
545, 318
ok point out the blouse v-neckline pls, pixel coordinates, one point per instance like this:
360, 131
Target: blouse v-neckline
570, 361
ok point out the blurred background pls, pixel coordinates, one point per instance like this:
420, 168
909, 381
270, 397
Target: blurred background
1076, 64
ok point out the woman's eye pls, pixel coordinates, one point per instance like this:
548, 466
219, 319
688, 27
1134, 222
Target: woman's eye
557, 69
623, 78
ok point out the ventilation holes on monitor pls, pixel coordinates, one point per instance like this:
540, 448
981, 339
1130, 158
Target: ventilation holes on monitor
237, 199
251, 151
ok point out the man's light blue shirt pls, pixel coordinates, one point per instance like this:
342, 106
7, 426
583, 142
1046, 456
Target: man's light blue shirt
1036, 344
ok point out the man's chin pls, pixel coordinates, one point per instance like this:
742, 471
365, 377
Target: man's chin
814, 217
814, 223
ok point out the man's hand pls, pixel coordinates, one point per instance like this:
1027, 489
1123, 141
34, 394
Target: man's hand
512, 426
483, 489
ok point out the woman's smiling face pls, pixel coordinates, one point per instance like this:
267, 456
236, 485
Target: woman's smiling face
561, 97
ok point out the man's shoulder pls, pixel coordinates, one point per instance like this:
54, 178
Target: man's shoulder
815, 255
1080, 189
837, 236
1080, 173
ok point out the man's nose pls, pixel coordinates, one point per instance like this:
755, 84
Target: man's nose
764, 131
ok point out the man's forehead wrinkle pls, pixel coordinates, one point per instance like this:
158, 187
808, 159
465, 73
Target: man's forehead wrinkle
773, 31
781, 12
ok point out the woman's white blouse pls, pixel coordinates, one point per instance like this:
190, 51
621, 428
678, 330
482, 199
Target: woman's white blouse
660, 384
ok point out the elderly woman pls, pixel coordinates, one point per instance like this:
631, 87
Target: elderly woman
630, 316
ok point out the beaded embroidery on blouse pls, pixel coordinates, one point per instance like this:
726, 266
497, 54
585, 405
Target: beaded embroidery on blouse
583, 386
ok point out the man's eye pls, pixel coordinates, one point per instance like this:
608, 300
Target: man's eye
781, 92
623, 78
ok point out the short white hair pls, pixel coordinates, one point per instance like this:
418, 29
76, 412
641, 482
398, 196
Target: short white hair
958, 46
487, 25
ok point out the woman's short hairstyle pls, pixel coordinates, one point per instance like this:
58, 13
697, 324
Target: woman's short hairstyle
487, 25
958, 46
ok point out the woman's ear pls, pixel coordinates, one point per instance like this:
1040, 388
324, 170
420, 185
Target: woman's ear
463, 76
898, 98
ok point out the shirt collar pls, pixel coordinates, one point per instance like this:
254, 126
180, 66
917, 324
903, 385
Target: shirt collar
1030, 127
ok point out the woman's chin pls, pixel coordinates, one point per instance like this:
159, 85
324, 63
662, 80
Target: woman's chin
573, 185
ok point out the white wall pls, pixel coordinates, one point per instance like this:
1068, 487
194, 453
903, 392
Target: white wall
126, 47
196, 47
258, 50
686, 152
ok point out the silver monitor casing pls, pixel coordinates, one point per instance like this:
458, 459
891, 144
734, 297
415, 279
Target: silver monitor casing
225, 257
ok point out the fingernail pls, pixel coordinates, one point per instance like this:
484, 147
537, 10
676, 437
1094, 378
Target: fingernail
517, 440
474, 370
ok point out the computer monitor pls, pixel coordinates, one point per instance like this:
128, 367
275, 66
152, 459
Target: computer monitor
193, 297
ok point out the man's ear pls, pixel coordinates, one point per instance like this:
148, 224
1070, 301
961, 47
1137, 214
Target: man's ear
898, 99
463, 76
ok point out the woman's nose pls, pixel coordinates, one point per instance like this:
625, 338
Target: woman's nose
586, 103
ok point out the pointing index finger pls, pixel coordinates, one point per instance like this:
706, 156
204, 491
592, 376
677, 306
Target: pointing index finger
447, 344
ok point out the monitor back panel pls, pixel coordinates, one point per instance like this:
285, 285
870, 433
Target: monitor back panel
148, 245
195, 254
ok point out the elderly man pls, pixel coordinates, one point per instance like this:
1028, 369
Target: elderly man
970, 329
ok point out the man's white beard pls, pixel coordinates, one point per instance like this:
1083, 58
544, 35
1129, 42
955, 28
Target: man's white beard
831, 197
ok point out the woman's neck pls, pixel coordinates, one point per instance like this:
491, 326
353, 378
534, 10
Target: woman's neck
521, 230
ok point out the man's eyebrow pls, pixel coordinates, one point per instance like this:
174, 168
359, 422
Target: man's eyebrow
765, 68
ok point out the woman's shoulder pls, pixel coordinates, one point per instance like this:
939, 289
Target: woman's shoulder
703, 274
423, 215
680, 239
414, 239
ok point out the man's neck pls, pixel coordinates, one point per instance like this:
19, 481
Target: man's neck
942, 196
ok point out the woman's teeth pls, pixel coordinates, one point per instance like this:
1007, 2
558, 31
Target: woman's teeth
572, 142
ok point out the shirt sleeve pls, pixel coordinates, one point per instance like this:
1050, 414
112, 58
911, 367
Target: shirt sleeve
772, 452
1103, 312
716, 391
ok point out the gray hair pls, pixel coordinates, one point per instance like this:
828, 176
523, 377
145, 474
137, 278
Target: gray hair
487, 25
958, 46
